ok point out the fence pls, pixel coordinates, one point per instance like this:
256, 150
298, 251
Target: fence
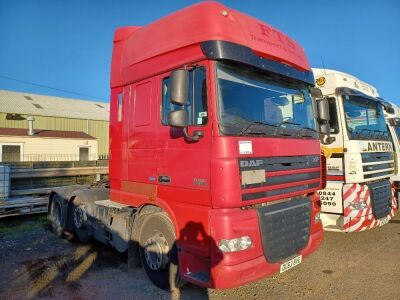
10, 155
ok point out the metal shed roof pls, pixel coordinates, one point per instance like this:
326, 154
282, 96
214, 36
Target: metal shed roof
41, 105
42, 133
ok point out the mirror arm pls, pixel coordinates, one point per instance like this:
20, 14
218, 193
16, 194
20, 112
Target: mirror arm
192, 138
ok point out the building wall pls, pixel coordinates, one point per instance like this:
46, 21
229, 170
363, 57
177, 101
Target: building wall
95, 128
50, 149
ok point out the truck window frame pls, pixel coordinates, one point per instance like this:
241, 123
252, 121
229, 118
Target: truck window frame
334, 117
193, 115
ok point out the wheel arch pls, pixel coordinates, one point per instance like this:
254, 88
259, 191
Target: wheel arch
160, 206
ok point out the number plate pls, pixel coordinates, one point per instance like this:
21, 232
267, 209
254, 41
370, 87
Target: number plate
383, 221
290, 264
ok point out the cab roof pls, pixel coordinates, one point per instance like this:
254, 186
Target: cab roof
202, 22
329, 80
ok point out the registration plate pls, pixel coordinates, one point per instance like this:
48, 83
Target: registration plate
383, 221
290, 264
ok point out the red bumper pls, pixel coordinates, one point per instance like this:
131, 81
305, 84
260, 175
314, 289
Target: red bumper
230, 276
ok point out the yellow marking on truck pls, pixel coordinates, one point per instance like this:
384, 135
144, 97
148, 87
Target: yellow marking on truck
327, 151
320, 81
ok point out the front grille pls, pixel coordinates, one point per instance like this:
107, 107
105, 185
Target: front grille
283, 175
271, 193
285, 228
377, 164
381, 198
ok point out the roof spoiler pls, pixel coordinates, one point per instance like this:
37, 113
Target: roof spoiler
348, 91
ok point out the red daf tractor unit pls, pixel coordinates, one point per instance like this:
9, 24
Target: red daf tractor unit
214, 152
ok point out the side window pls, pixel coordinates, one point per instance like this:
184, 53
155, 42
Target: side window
119, 107
197, 100
333, 122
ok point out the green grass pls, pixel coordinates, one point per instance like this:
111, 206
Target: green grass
22, 224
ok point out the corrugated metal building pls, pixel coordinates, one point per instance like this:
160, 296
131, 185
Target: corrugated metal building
18, 145
56, 113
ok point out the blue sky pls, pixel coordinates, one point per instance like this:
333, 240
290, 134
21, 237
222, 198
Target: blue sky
67, 44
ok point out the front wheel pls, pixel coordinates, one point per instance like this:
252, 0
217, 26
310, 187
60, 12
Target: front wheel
158, 252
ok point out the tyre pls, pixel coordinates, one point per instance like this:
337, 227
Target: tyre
80, 222
133, 246
158, 252
54, 217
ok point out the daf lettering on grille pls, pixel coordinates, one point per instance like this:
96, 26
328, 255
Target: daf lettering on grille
251, 163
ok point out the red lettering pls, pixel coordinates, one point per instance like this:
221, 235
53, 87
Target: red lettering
290, 42
265, 30
278, 35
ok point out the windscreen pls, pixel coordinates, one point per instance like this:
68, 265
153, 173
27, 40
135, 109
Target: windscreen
364, 118
397, 130
252, 103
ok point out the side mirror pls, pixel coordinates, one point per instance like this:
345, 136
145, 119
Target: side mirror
323, 110
324, 134
316, 93
179, 87
323, 120
178, 118
388, 108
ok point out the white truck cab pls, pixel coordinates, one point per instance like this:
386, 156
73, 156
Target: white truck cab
359, 156
393, 122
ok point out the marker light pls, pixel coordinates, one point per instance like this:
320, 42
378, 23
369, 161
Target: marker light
236, 244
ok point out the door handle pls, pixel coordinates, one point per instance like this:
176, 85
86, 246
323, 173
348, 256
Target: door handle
164, 179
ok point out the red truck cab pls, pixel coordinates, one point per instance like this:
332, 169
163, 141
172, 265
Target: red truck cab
214, 152
241, 179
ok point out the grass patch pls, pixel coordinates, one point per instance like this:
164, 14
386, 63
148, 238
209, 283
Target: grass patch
22, 224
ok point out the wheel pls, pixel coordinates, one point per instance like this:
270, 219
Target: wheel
158, 252
54, 217
79, 221
133, 246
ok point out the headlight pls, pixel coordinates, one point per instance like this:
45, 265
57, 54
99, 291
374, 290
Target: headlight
236, 244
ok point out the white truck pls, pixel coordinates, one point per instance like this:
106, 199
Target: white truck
359, 156
393, 122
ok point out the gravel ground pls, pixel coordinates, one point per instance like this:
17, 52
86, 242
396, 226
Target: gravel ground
36, 264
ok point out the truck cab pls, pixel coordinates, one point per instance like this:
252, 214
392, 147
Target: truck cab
360, 159
393, 122
214, 151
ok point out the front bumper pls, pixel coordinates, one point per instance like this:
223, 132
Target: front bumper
233, 269
356, 220
230, 276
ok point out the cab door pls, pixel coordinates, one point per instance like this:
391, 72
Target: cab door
142, 136
183, 167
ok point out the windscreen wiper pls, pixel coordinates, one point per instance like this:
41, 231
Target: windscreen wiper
309, 129
279, 125
371, 131
251, 124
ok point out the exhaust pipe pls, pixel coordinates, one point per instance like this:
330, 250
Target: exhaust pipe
30, 125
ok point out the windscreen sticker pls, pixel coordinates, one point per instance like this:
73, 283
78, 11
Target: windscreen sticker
245, 147
202, 114
298, 98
